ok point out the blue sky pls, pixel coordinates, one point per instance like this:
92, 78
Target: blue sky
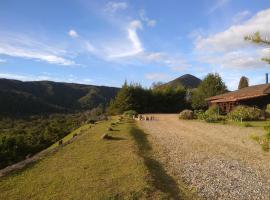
106, 42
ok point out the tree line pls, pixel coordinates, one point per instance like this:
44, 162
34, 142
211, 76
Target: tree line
166, 99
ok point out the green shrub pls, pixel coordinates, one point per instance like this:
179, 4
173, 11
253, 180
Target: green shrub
212, 118
264, 140
186, 114
265, 144
211, 115
213, 110
244, 113
198, 114
130, 113
246, 124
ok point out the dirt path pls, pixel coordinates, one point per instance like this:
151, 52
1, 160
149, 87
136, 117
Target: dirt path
218, 161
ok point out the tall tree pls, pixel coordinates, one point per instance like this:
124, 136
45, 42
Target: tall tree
211, 85
257, 39
167, 99
244, 82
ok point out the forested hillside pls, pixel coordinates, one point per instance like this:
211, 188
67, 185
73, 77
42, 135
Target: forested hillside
39, 97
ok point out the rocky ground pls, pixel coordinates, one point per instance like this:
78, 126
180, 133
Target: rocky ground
217, 161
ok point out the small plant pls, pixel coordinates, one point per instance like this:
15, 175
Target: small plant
130, 113
211, 115
213, 110
246, 113
211, 119
265, 145
186, 114
264, 140
200, 114
223, 121
247, 124
255, 138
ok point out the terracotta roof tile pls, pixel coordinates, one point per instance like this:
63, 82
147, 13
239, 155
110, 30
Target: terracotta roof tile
245, 93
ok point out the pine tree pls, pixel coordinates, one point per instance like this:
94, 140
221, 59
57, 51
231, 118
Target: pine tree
257, 39
243, 82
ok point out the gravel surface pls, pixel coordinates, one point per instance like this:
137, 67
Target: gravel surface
218, 161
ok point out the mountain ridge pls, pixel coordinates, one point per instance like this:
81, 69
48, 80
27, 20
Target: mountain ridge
36, 97
187, 80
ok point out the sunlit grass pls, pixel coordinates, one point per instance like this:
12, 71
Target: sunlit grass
93, 168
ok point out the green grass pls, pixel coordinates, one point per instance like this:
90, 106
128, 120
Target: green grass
70, 135
256, 124
92, 168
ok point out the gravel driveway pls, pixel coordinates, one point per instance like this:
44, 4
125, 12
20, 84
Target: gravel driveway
217, 161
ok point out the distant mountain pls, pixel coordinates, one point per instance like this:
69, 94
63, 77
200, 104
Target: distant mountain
187, 80
36, 97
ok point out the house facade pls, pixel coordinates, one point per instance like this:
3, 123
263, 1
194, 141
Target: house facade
254, 96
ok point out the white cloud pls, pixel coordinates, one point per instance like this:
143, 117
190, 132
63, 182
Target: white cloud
218, 4
236, 60
157, 76
89, 47
133, 48
229, 49
87, 80
25, 47
14, 76
46, 76
2, 60
115, 6
144, 18
174, 62
72, 33
239, 17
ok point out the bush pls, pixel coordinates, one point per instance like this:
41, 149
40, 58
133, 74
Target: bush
244, 113
246, 124
199, 114
211, 115
130, 113
213, 110
211, 118
186, 114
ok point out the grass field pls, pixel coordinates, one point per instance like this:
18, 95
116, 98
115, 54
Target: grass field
256, 124
92, 168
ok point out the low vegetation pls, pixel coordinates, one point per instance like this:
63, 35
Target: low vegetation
264, 140
21, 137
244, 113
122, 167
130, 113
186, 114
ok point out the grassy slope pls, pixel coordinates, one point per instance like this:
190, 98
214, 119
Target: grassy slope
91, 168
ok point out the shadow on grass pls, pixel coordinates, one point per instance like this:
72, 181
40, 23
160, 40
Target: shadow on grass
116, 138
159, 178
